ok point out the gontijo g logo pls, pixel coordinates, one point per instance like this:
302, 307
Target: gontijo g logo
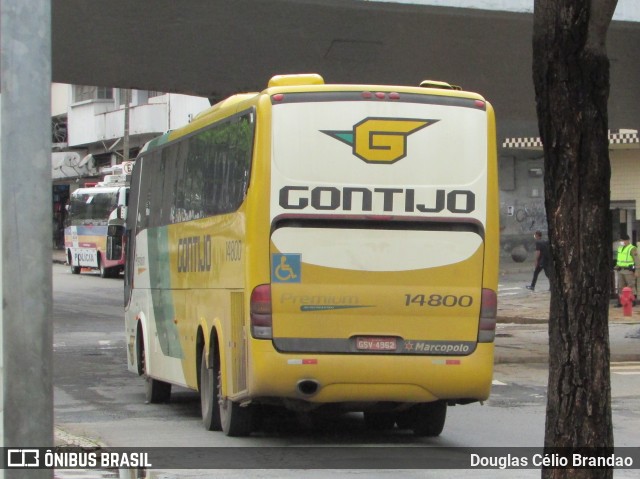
380, 140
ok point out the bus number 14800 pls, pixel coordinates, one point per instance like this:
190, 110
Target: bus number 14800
437, 300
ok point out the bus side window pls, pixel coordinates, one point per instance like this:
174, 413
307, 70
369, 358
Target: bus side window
178, 153
242, 153
156, 190
170, 164
144, 197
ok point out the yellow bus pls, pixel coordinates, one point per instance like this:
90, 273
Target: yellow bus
322, 248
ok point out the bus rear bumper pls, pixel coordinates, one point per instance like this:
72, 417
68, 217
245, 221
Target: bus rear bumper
367, 378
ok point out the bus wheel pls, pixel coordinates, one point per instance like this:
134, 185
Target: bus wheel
379, 421
235, 420
404, 419
209, 397
155, 391
74, 269
428, 419
104, 272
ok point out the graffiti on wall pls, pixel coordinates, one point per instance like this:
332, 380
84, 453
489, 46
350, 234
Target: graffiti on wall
531, 217
518, 222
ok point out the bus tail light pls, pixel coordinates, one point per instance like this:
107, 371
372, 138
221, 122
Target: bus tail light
488, 314
260, 312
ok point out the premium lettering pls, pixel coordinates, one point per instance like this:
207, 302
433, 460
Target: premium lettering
331, 198
318, 300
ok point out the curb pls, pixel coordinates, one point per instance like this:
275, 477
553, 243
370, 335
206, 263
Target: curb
520, 320
536, 359
64, 438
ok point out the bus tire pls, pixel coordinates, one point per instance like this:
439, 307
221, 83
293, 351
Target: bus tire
209, 397
235, 420
104, 272
157, 391
404, 419
379, 421
429, 418
74, 269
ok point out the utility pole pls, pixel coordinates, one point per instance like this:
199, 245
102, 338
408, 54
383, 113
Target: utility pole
125, 139
25, 159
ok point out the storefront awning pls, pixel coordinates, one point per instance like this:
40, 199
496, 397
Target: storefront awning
619, 139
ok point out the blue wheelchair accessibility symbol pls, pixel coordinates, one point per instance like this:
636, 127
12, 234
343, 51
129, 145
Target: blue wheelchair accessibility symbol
285, 268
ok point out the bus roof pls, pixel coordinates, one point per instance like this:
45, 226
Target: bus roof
95, 190
427, 87
308, 82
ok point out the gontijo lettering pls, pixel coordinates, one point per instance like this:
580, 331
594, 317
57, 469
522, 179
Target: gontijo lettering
194, 254
329, 198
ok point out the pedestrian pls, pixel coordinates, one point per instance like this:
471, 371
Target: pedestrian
543, 258
627, 266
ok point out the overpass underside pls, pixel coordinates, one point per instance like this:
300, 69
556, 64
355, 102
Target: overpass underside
214, 48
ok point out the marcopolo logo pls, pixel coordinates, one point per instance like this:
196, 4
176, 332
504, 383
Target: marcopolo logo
380, 140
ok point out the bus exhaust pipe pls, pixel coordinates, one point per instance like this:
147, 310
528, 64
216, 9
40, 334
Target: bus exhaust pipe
307, 387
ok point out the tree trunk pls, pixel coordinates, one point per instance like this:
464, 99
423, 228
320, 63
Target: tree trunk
571, 79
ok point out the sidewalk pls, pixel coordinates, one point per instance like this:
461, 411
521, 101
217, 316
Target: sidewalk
59, 256
522, 330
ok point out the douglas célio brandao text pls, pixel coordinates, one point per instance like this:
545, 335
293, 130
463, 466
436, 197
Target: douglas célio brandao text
570, 460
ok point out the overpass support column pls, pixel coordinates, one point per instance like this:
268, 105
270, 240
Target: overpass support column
25, 160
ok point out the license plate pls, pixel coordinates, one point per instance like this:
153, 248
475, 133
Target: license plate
376, 344
85, 257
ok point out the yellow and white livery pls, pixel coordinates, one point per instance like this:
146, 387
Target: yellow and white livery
319, 247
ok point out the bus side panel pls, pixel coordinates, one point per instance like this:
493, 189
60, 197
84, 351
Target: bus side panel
159, 307
207, 263
184, 277
194, 266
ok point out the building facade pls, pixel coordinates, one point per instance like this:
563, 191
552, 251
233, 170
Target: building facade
89, 136
521, 170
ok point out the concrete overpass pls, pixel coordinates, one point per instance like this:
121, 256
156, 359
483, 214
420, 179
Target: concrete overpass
214, 48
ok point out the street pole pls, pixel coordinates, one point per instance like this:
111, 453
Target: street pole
25, 161
125, 140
